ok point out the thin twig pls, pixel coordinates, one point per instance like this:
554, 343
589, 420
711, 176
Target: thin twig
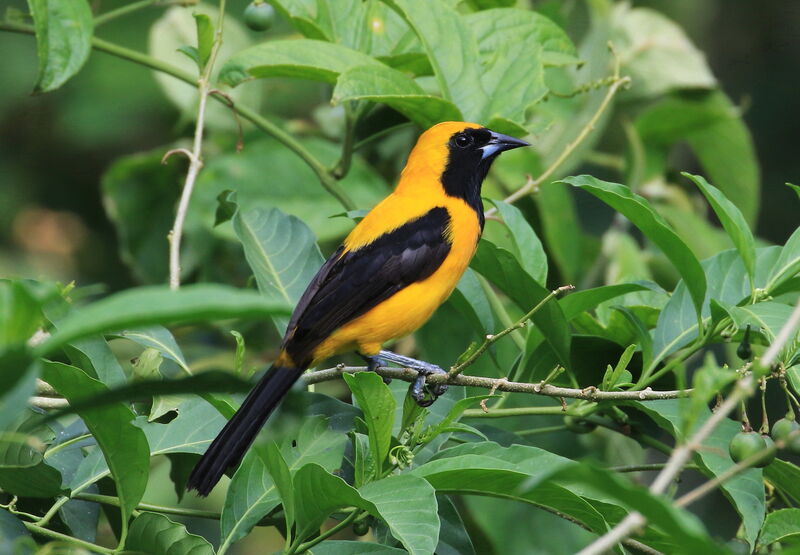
678, 459
489, 339
547, 390
195, 157
531, 185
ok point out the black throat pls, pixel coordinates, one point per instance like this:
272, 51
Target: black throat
463, 177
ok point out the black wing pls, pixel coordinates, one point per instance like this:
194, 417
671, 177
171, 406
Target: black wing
349, 285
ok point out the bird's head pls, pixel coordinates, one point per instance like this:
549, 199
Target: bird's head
458, 154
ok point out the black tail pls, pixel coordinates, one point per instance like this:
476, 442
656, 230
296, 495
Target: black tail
230, 445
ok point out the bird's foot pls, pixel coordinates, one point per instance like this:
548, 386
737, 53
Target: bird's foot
375, 362
423, 393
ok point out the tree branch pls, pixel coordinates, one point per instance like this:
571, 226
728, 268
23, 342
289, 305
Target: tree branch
498, 384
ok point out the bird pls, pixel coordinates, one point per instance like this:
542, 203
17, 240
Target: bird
386, 279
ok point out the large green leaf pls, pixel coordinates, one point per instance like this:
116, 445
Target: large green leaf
157, 337
378, 405
513, 81
252, 492
63, 39
452, 51
494, 27
320, 493
501, 268
745, 490
155, 534
581, 301
788, 263
527, 246
656, 53
638, 210
714, 129
732, 220
780, 525
785, 476
339, 547
303, 58
393, 497
143, 306
398, 91
282, 253
14, 537
19, 384
20, 314
124, 446
23, 470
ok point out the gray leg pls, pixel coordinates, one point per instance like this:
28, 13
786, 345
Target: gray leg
423, 394
373, 363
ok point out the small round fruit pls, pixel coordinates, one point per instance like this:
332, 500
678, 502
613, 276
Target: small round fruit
360, 527
783, 428
578, 425
259, 15
767, 459
745, 445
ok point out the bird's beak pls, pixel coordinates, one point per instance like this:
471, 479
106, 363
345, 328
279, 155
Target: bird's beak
500, 143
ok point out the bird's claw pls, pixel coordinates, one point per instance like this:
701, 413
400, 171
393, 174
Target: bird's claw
375, 362
423, 393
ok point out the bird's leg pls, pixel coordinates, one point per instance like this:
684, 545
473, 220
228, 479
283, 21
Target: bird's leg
373, 363
422, 393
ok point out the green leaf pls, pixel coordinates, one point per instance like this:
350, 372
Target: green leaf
417, 529
155, 534
638, 210
302, 58
453, 536
18, 383
282, 253
140, 185
745, 491
583, 301
656, 53
23, 471
788, 263
205, 38
20, 314
785, 476
494, 27
339, 547
452, 51
395, 89
63, 40
376, 401
226, 207
794, 187
159, 338
14, 537
269, 175
783, 524
143, 306
320, 493
767, 319
501, 268
252, 493
470, 300
510, 94
124, 446
527, 246
732, 220
714, 129
281, 477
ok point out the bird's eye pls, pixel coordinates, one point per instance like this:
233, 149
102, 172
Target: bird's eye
462, 140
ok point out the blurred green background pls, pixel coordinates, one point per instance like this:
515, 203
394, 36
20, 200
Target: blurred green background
54, 148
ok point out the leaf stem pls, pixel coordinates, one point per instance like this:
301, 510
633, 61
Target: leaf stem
41, 531
303, 547
516, 411
489, 339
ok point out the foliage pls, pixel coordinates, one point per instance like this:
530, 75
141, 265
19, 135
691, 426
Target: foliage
660, 288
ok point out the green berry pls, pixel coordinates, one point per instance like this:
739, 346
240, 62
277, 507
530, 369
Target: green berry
783, 428
360, 527
259, 16
578, 425
746, 444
